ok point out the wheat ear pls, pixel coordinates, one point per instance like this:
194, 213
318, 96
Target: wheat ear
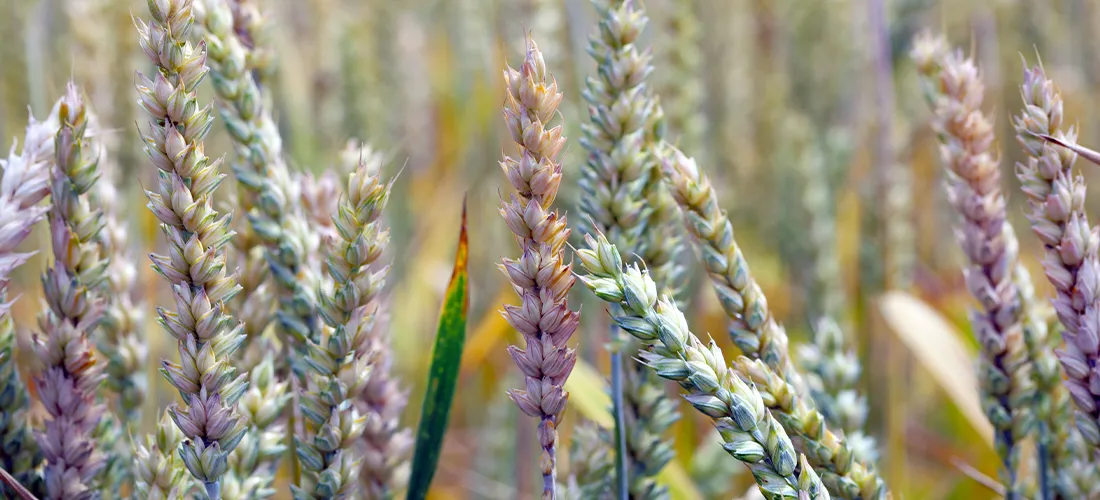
23, 186
752, 327
1056, 198
197, 235
955, 90
67, 386
757, 333
626, 199
541, 276
749, 431
341, 360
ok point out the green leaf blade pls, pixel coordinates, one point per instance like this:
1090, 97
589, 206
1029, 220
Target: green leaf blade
442, 375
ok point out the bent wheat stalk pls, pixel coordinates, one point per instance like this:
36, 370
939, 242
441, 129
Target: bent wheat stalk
750, 432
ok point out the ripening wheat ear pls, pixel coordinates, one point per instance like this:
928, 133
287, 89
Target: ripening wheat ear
626, 199
266, 196
25, 182
540, 276
1056, 199
196, 235
752, 327
750, 432
340, 360
67, 387
1056, 202
955, 90
761, 338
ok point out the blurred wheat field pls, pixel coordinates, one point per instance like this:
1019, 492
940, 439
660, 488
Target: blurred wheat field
762, 88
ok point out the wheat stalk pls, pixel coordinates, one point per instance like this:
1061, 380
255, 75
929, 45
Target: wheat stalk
71, 287
341, 359
752, 327
749, 431
23, 186
540, 276
197, 236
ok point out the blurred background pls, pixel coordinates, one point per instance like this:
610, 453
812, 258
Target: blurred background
806, 113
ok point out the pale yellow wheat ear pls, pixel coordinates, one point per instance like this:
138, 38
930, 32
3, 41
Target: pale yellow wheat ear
761, 338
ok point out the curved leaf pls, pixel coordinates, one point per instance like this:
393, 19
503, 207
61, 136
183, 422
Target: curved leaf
937, 346
442, 375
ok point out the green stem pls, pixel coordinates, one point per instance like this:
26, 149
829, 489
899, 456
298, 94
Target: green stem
617, 411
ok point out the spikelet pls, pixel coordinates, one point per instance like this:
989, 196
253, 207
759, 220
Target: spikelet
159, 473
